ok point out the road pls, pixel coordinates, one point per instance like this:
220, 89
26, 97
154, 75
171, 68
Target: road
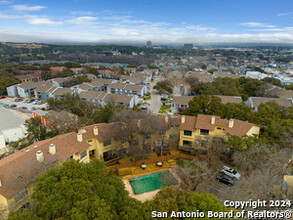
155, 102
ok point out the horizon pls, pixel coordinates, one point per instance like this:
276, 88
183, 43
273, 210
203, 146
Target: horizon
163, 22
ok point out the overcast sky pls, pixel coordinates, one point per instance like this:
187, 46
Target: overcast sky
162, 21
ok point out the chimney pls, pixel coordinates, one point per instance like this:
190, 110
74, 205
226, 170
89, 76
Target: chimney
183, 119
231, 123
213, 120
79, 137
96, 130
138, 123
166, 119
40, 156
52, 149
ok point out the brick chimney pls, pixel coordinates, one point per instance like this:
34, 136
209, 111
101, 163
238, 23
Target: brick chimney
79, 137
166, 119
231, 123
183, 119
52, 149
40, 156
213, 121
96, 130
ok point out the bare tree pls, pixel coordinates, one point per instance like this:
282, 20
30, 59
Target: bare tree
134, 129
263, 179
64, 121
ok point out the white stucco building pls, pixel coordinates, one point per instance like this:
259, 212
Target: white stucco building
11, 127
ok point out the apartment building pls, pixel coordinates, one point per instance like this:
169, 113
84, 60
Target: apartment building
125, 88
195, 132
102, 98
254, 102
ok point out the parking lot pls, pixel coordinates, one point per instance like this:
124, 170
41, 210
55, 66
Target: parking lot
21, 105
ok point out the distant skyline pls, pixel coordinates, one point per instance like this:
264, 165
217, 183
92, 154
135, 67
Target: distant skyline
136, 21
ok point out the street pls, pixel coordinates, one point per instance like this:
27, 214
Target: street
155, 102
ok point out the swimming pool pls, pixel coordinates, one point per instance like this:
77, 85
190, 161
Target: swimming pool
152, 182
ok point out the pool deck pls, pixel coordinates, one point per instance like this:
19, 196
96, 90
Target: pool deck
128, 169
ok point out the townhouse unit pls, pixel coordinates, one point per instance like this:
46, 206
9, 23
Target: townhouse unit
59, 81
151, 72
102, 98
94, 85
19, 170
59, 93
255, 75
125, 88
24, 90
43, 91
108, 74
130, 70
31, 77
181, 103
78, 70
196, 132
254, 102
56, 70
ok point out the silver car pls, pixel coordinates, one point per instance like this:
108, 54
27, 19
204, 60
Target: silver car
230, 172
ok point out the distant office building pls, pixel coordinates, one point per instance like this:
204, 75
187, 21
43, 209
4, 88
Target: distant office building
149, 44
187, 46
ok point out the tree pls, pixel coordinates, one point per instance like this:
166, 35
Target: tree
272, 81
87, 113
80, 191
6, 81
37, 131
63, 121
171, 199
164, 86
134, 128
203, 104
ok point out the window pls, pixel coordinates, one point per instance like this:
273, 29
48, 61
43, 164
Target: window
69, 158
203, 143
19, 195
187, 133
187, 143
219, 128
89, 141
83, 154
107, 142
204, 132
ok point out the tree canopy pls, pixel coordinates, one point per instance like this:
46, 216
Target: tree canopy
88, 191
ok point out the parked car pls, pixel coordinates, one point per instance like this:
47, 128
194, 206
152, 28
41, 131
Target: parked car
43, 109
6, 105
41, 102
23, 108
2, 97
29, 100
231, 172
144, 107
225, 179
13, 106
17, 99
